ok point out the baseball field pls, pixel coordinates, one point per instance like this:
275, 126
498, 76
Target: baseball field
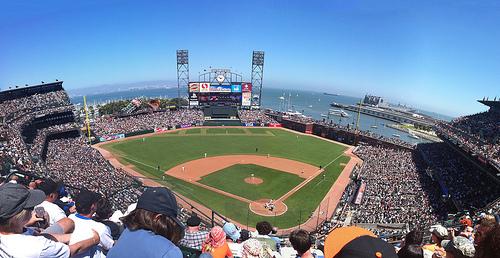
239, 171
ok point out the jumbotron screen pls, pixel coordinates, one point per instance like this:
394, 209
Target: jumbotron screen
206, 94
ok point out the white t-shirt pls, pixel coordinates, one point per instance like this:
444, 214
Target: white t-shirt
235, 248
55, 213
31, 246
83, 230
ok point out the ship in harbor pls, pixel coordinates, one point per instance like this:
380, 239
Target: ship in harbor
330, 94
376, 107
338, 112
337, 105
412, 134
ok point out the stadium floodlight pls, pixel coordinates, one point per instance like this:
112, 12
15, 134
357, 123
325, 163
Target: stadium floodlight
182, 73
257, 77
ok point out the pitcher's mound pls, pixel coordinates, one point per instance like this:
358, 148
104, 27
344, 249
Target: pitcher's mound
254, 180
259, 207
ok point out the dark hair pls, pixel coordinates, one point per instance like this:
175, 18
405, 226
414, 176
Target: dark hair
104, 210
300, 240
488, 222
159, 224
490, 246
244, 235
264, 228
414, 237
411, 251
84, 201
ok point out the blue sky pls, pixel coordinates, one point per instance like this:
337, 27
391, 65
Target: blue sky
435, 55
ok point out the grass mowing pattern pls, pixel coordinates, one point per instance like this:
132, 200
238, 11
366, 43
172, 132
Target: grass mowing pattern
194, 131
257, 130
231, 179
216, 131
170, 150
234, 131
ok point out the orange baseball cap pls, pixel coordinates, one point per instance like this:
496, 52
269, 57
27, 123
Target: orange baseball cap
356, 242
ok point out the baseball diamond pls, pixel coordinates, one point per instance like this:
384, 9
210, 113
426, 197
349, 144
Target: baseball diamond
289, 165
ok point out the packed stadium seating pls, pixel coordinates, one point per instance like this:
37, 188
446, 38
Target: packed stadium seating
398, 184
477, 134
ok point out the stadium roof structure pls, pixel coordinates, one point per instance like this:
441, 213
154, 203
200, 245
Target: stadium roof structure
20, 92
493, 104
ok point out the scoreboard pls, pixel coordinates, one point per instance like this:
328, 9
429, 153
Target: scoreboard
213, 94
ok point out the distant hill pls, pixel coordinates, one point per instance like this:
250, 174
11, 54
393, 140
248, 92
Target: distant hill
116, 87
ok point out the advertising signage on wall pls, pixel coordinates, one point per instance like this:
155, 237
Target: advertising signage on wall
193, 96
246, 98
194, 87
235, 88
204, 87
220, 88
246, 87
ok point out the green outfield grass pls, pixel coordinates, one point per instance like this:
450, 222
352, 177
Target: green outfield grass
168, 150
216, 131
235, 131
258, 130
194, 131
232, 180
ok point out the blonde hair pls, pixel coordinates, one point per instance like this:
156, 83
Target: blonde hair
16, 223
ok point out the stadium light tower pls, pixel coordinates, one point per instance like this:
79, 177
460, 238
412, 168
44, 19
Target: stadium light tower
182, 73
257, 76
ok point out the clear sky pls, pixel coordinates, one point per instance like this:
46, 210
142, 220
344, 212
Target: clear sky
435, 55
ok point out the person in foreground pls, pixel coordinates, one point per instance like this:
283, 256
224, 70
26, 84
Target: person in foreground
216, 244
459, 247
356, 242
86, 205
152, 229
301, 242
16, 212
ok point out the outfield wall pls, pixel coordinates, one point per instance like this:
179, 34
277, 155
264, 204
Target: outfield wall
112, 137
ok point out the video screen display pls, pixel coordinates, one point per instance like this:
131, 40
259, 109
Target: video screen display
220, 98
208, 93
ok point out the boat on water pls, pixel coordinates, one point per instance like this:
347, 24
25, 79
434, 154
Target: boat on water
330, 94
310, 106
374, 126
338, 112
396, 135
411, 134
324, 115
296, 114
335, 104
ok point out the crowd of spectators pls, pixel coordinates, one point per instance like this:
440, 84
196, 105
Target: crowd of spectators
21, 106
107, 125
54, 224
99, 201
79, 165
39, 141
13, 151
397, 189
255, 117
478, 134
467, 185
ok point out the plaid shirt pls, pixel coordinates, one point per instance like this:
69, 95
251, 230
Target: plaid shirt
194, 239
